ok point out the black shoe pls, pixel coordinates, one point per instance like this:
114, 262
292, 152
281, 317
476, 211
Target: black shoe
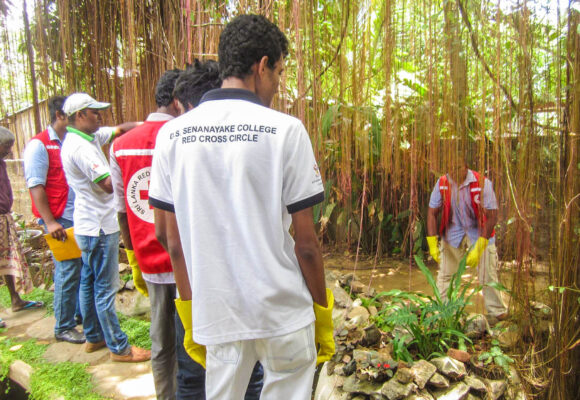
71, 336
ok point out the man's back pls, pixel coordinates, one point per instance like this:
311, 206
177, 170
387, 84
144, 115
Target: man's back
243, 168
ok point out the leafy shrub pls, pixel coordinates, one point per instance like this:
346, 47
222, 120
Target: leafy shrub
434, 324
497, 356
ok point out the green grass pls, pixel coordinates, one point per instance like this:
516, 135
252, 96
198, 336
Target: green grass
36, 294
137, 330
66, 379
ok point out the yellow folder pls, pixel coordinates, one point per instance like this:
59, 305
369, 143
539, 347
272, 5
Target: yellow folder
64, 250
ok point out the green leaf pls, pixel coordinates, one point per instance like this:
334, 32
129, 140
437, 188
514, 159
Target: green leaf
328, 119
429, 277
551, 288
561, 290
498, 286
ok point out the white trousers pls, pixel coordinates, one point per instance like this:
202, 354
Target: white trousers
486, 269
289, 363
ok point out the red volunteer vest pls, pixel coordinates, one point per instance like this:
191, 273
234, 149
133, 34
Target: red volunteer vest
134, 154
475, 189
56, 186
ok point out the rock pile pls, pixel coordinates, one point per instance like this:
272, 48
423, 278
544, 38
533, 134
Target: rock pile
364, 368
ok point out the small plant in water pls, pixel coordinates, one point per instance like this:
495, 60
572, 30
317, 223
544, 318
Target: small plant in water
434, 324
497, 356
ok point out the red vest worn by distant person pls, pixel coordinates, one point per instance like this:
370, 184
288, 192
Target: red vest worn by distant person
56, 186
134, 154
475, 189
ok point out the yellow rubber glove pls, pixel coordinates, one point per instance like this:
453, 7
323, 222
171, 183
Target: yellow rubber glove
475, 253
323, 329
195, 351
137, 277
434, 248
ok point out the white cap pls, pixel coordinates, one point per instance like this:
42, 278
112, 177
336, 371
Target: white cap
79, 101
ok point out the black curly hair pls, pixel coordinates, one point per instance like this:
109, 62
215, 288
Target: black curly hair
55, 104
195, 81
165, 86
245, 40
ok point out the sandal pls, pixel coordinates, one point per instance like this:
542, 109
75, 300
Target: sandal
30, 305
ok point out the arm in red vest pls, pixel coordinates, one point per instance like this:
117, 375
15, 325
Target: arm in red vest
168, 235
40, 199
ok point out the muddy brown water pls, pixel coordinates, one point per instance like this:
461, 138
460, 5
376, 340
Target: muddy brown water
396, 273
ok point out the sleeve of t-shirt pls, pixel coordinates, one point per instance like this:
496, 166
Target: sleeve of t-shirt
436, 201
35, 163
302, 184
160, 191
489, 200
92, 165
104, 135
117, 180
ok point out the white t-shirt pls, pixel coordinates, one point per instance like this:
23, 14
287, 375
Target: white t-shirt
84, 165
233, 170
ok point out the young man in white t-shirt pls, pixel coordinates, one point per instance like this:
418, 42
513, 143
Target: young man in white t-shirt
96, 227
230, 177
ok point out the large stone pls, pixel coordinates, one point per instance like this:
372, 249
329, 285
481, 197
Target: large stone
124, 267
365, 358
508, 338
372, 335
541, 309
439, 381
132, 303
477, 326
394, 390
42, 329
399, 331
457, 391
422, 395
360, 314
496, 388
341, 297
123, 380
423, 371
353, 385
329, 387
357, 287
404, 375
459, 355
475, 384
449, 367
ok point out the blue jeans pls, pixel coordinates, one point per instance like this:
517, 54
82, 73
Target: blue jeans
191, 375
99, 285
67, 278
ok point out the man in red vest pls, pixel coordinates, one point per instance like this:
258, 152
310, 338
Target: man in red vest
469, 214
53, 204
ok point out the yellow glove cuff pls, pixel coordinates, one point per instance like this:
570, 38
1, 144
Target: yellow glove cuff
329, 299
432, 241
196, 351
131, 257
324, 329
481, 244
183, 308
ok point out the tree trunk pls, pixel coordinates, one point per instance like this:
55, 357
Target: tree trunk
37, 125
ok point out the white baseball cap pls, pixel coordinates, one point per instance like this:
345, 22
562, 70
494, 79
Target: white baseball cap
79, 101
